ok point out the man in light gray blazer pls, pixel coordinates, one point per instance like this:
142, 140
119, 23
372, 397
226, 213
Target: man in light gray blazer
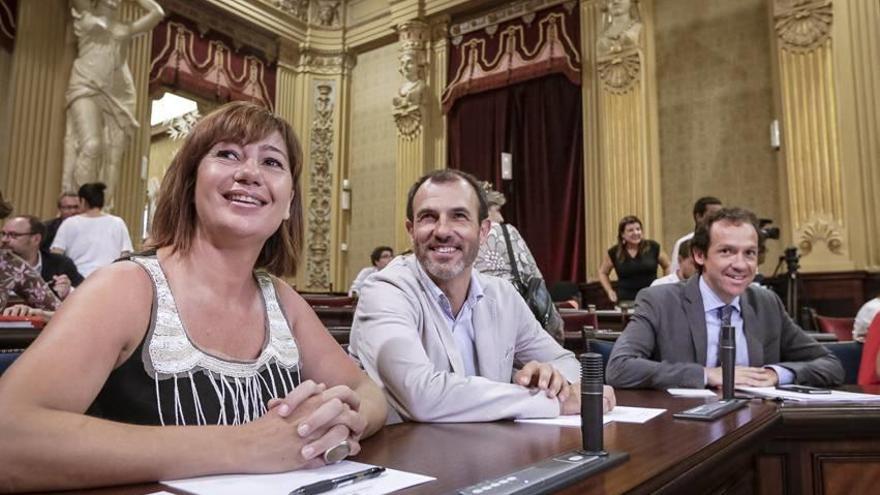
444, 341
672, 339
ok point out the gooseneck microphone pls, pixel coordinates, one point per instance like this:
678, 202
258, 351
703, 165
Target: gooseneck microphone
728, 361
592, 381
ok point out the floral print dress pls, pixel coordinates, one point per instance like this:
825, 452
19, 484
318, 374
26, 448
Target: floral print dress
17, 277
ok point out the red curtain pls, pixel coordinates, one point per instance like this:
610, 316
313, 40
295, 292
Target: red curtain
539, 123
7, 24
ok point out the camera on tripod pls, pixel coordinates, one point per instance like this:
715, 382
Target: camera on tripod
767, 232
791, 258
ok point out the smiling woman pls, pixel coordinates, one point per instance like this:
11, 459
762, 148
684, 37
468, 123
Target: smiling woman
200, 333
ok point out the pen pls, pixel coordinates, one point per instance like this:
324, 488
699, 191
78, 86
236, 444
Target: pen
327, 485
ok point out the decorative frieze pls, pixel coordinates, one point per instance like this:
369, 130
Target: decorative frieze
325, 63
490, 20
822, 229
320, 186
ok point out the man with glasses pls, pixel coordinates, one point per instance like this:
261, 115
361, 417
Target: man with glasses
68, 206
22, 235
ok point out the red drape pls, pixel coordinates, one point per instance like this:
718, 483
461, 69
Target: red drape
208, 64
8, 10
539, 123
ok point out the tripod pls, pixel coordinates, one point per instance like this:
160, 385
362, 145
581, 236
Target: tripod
791, 259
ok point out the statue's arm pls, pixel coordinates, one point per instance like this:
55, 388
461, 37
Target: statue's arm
149, 20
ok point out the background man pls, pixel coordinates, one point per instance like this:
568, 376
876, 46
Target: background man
702, 208
379, 258
442, 339
672, 339
22, 235
68, 205
686, 267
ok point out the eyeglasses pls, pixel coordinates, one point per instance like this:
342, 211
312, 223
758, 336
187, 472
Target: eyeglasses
15, 235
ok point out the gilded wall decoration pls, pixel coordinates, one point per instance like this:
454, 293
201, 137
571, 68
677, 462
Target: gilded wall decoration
489, 21
326, 13
619, 74
821, 229
803, 25
296, 8
410, 99
240, 33
320, 187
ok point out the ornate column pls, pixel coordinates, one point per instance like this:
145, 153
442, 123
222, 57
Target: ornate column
30, 163
411, 109
621, 154
856, 39
131, 187
811, 150
312, 94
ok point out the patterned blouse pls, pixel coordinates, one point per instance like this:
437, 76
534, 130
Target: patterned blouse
494, 260
17, 277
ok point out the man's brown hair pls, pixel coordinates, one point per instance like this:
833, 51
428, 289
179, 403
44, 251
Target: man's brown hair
175, 220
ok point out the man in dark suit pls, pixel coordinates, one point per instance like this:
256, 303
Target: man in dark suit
68, 206
22, 234
672, 339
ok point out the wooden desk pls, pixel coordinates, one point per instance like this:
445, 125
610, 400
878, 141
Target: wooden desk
764, 448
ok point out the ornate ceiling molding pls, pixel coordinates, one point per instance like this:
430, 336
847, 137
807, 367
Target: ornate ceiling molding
490, 20
320, 186
240, 33
325, 14
821, 229
803, 25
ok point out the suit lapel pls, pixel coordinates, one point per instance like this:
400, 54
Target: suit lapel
696, 317
750, 328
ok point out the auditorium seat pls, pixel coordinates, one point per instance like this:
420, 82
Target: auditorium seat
868, 366
850, 356
7, 356
328, 300
603, 347
842, 327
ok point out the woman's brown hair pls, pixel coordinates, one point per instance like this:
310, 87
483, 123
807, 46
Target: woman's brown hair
175, 219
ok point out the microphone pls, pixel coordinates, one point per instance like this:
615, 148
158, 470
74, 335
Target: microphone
728, 361
592, 381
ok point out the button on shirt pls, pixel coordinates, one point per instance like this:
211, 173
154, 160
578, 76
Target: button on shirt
712, 305
461, 326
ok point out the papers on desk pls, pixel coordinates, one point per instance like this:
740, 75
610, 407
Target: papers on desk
691, 392
621, 414
283, 483
834, 396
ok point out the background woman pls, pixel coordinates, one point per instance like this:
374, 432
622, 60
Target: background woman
196, 333
635, 260
494, 259
93, 238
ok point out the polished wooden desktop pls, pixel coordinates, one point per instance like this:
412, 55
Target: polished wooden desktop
766, 448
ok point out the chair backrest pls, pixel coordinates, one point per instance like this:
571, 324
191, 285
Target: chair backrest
603, 347
868, 369
850, 356
328, 301
575, 320
842, 327
7, 356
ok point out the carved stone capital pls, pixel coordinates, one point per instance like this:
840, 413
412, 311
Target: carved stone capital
802, 25
407, 105
619, 74
325, 63
821, 230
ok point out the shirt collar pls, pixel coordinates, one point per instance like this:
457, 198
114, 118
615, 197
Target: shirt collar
475, 290
712, 302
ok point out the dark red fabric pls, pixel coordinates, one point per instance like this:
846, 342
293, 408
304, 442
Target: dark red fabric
868, 366
192, 65
8, 12
539, 123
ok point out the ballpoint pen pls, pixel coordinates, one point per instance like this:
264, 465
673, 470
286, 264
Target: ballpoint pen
327, 485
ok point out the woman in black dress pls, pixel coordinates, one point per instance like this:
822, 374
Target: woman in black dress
634, 259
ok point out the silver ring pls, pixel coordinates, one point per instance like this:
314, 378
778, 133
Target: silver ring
337, 452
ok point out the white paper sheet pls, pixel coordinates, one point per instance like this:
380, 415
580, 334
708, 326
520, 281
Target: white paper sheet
691, 392
282, 483
621, 414
834, 396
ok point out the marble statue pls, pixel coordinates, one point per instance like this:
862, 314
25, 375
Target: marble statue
100, 94
621, 27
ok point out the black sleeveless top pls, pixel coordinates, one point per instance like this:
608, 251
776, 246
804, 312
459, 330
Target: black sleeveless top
168, 380
635, 272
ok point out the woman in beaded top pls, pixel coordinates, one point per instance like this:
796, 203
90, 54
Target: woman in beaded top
192, 359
